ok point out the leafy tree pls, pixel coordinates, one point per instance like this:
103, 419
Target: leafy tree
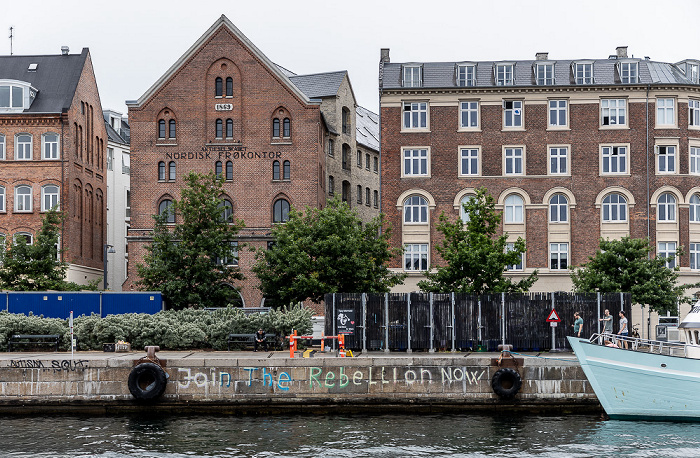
191, 263
325, 251
476, 258
37, 267
625, 266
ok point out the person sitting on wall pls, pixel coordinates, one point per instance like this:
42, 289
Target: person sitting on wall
260, 340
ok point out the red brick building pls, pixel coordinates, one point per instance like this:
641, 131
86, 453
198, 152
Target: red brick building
572, 150
52, 142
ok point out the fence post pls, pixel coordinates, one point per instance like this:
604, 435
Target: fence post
364, 322
503, 318
554, 339
598, 312
7, 301
333, 318
432, 334
101, 315
478, 331
408, 322
386, 322
454, 322
622, 305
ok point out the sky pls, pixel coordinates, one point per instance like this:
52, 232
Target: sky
132, 43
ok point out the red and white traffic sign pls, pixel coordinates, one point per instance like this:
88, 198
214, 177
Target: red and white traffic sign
553, 317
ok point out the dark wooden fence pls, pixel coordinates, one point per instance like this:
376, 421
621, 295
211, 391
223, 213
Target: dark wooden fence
427, 321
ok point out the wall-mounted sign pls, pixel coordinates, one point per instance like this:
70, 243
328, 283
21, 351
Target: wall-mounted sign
225, 152
223, 107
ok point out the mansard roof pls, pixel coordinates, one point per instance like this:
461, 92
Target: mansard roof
319, 85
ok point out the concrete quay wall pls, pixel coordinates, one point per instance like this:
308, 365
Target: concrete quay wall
246, 382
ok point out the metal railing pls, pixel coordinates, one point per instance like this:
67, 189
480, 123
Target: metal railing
641, 345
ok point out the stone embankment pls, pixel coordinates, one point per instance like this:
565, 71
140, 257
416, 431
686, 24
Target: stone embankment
271, 382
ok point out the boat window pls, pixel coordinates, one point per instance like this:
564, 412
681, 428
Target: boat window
697, 337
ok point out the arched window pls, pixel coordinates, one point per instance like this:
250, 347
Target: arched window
218, 87
49, 198
49, 146
286, 171
287, 128
276, 128
171, 171
161, 171
558, 209
345, 120
217, 169
666, 209
23, 199
161, 128
23, 237
23, 147
226, 211
171, 128
276, 170
165, 208
280, 212
359, 194
2, 202
331, 185
514, 209
614, 208
695, 209
219, 128
415, 209
463, 215
229, 170
229, 87
229, 128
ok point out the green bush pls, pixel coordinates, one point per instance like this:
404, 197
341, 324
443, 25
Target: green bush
172, 329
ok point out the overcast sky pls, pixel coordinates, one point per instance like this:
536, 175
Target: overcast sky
133, 43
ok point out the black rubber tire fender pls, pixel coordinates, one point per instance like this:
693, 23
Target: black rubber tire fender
506, 383
147, 381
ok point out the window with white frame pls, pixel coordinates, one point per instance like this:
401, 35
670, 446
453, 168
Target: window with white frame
666, 158
469, 161
666, 207
110, 158
544, 74
629, 72
558, 160
463, 215
514, 209
49, 198
2, 201
23, 199
23, 237
694, 208
412, 76
665, 111
614, 159
232, 258
558, 209
23, 147
693, 72
514, 161
415, 209
504, 74
558, 113
695, 160
695, 256
466, 75
510, 246
668, 250
415, 162
613, 112
583, 73
694, 113
49, 146
513, 113
2, 147
415, 115
614, 208
558, 256
469, 114
416, 257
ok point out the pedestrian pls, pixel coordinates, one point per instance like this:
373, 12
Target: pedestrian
607, 322
578, 324
260, 340
624, 331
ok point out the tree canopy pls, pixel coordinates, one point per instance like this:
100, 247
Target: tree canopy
324, 251
194, 262
625, 266
476, 257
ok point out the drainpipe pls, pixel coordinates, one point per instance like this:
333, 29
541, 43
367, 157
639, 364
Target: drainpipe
647, 154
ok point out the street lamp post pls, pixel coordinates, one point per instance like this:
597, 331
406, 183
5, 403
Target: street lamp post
107, 249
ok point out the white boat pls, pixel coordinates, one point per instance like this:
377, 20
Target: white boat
651, 380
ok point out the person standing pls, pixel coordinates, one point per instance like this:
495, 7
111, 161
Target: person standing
607, 322
624, 331
578, 324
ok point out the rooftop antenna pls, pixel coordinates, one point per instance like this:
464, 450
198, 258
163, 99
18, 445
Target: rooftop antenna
11, 36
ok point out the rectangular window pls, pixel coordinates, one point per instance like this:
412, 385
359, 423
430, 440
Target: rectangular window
695, 256
666, 159
359, 158
513, 113
50, 146
367, 201
558, 113
629, 73
23, 149
110, 158
613, 112
415, 162
510, 246
514, 161
469, 161
695, 160
412, 76
668, 250
466, 75
232, 259
2, 206
2, 147
558, 160
367, 160
331, 145
415, 115
469, 114
665, 115
359, 194
376, 199
416, 257
614, 159
504, 74
583, 73
127, 213
49, 197
693, 73
376, 164
694, 113
558, 256
544, 74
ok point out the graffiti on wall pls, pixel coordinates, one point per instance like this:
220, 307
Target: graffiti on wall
55, 364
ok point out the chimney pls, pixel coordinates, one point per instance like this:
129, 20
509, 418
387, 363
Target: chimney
542, 56
385, 55
621, 52
64, 50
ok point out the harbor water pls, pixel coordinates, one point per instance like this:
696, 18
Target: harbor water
344, 436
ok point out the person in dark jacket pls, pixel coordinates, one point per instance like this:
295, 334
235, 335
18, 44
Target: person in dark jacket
260, 340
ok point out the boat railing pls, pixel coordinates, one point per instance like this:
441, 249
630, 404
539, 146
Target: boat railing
638, 344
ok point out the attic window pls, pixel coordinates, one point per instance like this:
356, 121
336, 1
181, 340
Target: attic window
32, 67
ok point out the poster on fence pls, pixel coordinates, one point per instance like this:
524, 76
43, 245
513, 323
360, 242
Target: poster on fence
345, 321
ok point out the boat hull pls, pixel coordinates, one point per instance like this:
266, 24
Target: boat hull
637, 385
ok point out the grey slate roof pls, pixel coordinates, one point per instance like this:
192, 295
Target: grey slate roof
442, 74
123, 137
55, 78
319, 85
367, 128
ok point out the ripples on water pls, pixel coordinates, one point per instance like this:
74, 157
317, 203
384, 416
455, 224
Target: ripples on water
344, 436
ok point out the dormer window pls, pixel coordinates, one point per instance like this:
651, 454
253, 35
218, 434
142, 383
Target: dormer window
504, 74
583, 72
629, 72
412, 76
466, 75
32, 67
544, 74
15, 95
692, 72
